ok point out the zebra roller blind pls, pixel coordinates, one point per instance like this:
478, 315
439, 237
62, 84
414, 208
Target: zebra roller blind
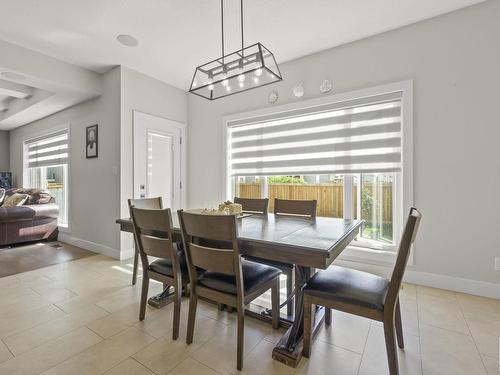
355, 136
48, 150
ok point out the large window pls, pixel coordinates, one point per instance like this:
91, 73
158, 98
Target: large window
46, 167
349, 155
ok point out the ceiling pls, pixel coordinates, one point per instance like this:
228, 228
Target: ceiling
177, 35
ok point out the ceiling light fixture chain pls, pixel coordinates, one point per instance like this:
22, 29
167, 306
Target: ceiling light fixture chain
245, 69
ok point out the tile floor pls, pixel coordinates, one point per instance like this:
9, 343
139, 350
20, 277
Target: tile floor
81, 317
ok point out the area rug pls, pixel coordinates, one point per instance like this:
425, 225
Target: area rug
23, 258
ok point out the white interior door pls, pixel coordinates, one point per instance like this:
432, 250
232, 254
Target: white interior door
157, 159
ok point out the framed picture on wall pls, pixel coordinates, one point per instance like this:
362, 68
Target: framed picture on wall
91, 141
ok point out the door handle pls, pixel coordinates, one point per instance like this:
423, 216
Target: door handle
143, 196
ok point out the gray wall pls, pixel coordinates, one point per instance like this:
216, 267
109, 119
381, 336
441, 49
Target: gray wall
94, 184
4, 151
454, 61
142, 93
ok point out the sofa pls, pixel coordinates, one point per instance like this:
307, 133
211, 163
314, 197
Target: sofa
34, 220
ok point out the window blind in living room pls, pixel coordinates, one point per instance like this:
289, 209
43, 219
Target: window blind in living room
355, 136
49, 150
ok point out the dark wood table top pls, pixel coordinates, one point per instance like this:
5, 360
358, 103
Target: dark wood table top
289, 239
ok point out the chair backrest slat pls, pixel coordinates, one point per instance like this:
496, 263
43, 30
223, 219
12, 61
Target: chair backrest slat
150, 203
153, 232
405, 244
296, 207
253, 204
213, 227
215, 260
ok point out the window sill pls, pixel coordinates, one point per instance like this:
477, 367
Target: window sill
368, 256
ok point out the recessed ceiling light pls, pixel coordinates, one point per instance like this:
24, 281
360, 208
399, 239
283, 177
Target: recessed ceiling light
127, 40
14, 76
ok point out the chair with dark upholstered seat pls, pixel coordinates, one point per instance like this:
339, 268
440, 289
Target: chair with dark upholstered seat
227, 279
363, 294
253, 205
291, 207
153, 232
146, 203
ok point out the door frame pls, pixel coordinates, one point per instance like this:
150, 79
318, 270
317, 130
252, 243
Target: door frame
183, 149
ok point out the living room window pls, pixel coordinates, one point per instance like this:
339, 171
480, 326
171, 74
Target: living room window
46, 167
353, 155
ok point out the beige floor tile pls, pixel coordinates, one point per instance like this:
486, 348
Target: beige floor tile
118, 321
328, 359
477, 304
485, 329
11, 322
219, 353
160, 323
50, 354
375, 361
54, 293
492, 365
35, 336
435, 292
129, 367
191, 367
5, 354
260, 361
275, 335
441, 312
105, 355
127, 296
347, 331
16, 303
165, 354
210, 310
408, 291
446, 352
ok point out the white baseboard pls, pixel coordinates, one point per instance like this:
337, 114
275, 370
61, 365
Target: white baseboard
91, 246
456, 284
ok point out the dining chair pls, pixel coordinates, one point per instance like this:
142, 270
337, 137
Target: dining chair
147, 203
290, 207
364, 294
153, 232
306, 208
227, 278
253, 205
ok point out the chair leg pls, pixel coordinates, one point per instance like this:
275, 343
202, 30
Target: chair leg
289, 290
275, 303
390, 344
193, 301
144, 296
177, 310
136, 265
328, 316
399, 326
241, 337
308, 323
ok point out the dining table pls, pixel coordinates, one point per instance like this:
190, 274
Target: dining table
307, 244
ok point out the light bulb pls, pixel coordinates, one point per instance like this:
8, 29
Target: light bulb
241, 84
241, 78
255, 80
228, 88
225, 82
210, 87
258, 72
195, 84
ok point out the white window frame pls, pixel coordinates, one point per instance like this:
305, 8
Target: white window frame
48, 133
403, 198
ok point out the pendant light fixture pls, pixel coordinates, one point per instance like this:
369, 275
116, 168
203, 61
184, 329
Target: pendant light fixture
245, 69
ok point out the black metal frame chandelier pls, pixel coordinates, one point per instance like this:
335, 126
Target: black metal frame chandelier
245, 69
